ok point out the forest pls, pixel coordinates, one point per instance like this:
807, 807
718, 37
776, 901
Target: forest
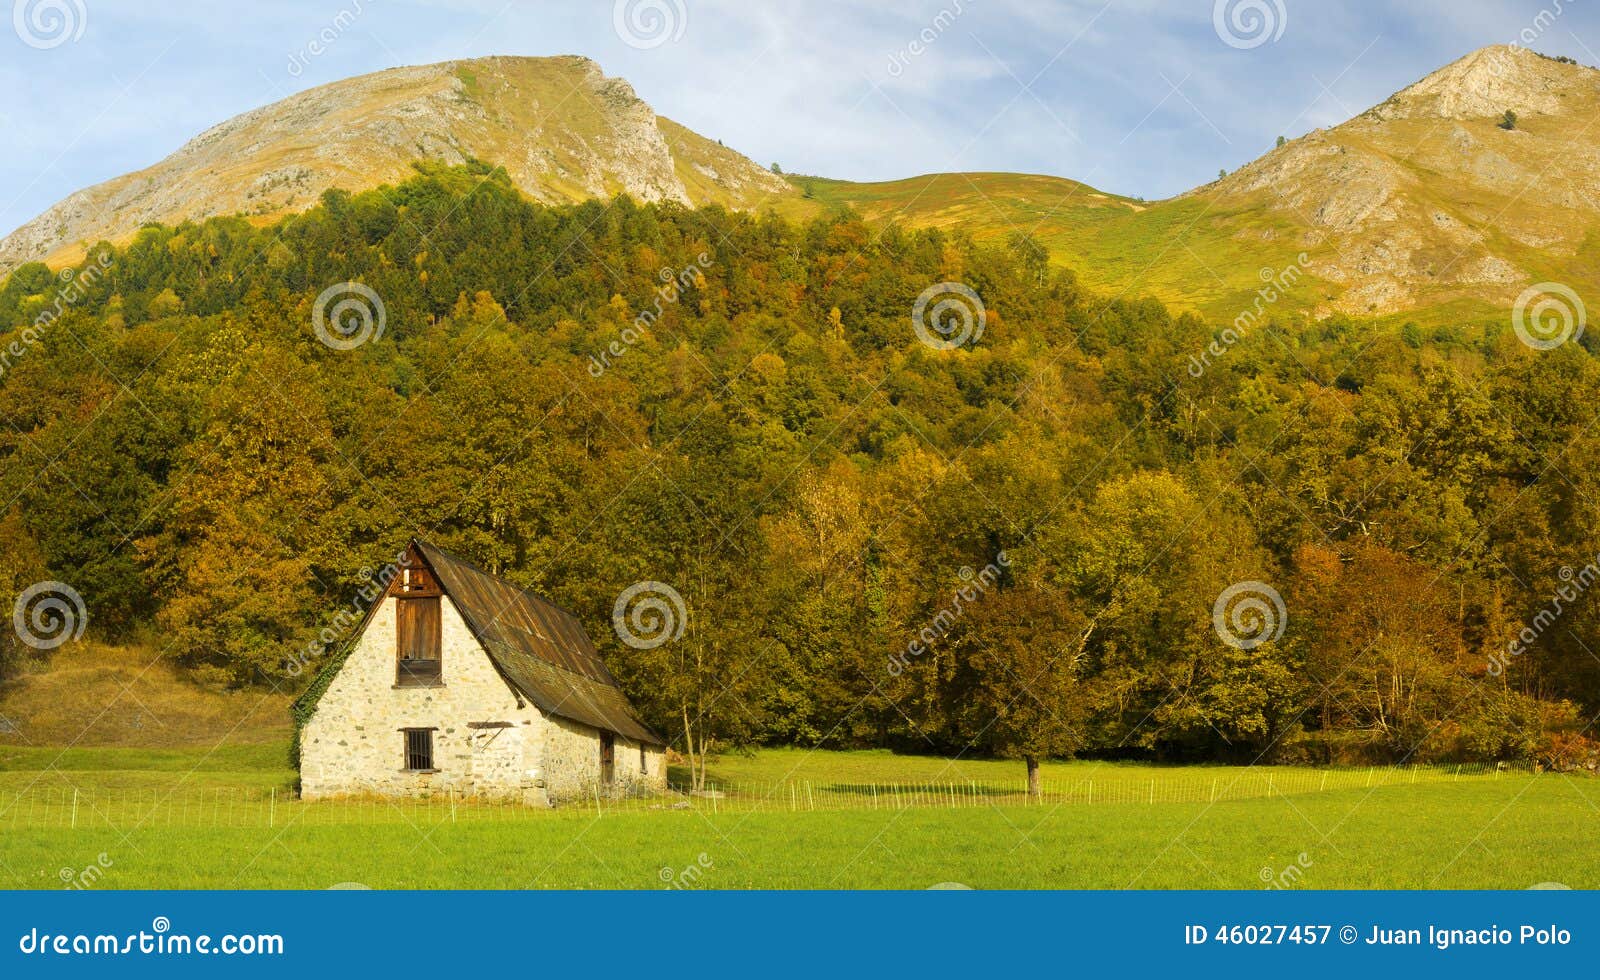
1012, 548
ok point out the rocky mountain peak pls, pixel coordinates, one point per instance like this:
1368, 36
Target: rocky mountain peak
1490, 81
561, 128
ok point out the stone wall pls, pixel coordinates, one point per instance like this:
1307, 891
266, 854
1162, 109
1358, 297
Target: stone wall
354, 742
566, 755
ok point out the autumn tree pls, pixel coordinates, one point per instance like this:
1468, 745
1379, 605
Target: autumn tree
1021, 661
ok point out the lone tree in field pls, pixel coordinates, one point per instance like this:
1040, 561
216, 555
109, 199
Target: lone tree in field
1509, 121
1024, 699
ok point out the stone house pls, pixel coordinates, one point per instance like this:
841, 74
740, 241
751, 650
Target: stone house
459, 682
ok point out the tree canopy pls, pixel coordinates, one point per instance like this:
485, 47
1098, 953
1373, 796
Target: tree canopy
831, 496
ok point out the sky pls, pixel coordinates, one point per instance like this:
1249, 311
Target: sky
1136, 97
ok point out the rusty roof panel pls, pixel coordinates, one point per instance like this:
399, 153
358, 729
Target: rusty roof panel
540, 648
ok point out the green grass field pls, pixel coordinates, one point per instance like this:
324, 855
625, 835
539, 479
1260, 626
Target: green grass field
795, 819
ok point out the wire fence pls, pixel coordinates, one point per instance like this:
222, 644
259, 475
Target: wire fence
255, 807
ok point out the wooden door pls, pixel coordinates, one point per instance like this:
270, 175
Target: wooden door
418, 640
608, 757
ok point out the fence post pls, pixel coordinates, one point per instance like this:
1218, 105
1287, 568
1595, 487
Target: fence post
1213, 789
74, 807
272, 808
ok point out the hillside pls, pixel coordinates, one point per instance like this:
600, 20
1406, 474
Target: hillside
91, 694
1423, 203
562, 129
771, 439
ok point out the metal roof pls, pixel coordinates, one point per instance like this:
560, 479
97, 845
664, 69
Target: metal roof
538, 647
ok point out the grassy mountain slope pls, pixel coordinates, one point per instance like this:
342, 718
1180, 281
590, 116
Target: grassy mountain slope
1183, 251
1423, 206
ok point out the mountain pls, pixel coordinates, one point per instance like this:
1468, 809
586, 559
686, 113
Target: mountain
1423, 203
1426, 206
561, 128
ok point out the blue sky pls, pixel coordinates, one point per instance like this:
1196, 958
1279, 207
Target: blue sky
1134, 96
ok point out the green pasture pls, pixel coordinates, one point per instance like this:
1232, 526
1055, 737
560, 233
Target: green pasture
126, 818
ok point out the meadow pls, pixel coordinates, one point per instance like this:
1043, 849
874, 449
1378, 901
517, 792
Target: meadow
94, 818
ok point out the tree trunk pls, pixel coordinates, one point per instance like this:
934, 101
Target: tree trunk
688, 748
1033, 777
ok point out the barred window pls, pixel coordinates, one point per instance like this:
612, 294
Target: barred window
419, 749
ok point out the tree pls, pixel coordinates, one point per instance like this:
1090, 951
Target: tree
1021, 650
1282, 140
1381, 645
1509, 120
228, 555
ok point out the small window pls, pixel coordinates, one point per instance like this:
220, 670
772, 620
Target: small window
419, 749
418, 641
417, 579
